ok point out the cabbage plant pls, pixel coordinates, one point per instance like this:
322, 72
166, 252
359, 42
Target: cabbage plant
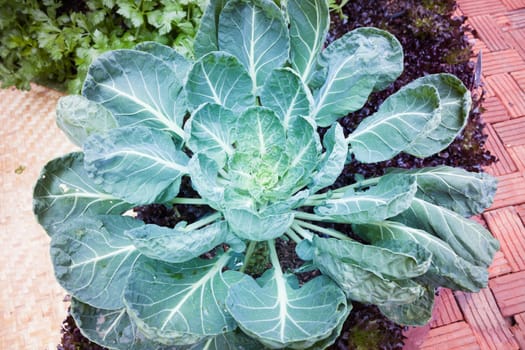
241, 123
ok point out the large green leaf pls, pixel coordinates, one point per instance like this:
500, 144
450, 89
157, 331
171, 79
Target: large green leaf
279, 314
139, 89
333, 160
79, 117
254, 32
286, 95
220, 78
178, 245
363, 285
361, 61
180, 304
469, 239
259, 130
137, 164
303, 145
211, 130
402, 118
64, 191
447, 269
405, 261
417, 313
112, 329
463, 192
391, 196
178, 63
309, 22
206, 39
204, 173
93, 257
455, 108
250, 225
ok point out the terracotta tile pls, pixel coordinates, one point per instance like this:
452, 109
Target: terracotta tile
520, 209
517, 18
455, 336
518, 155
477, 8
500, 265
514, 4
509, 291
488, 325
511, 132
519, 329
511, 190
446, 309
516, 38
519, 77
499, 62
509, 92
505, 164
494, 111
490, 32
506, 226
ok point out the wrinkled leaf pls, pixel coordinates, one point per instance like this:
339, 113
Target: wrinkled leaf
286, 95
220, 78
447, 269
280, 315
467, 238
455, 108
138, 89
259, 130
256, 34
402, 118
92, 258
303, 144
391, 196
309, 22
361, 61
204, 173
137, 164
180, 304
64, 192
178, 245
333, 160
250, 225
78, 118
211, 130
463, 192
417, 313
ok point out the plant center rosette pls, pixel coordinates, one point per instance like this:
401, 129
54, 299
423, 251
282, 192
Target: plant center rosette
241, 122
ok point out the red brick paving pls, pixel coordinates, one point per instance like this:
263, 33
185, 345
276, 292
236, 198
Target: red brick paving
494, 318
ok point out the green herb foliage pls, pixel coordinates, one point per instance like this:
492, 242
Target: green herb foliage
54, 42
240, 124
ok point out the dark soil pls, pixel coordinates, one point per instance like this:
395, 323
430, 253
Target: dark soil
433, 42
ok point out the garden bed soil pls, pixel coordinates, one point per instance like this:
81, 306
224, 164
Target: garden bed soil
434, 41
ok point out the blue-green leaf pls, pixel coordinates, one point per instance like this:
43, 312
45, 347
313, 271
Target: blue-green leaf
333, 159
204, 173
93, 258
303, 145
279, 315
79, 118
309, 22
417, 313
254, 32
220, 78
211, 129
402, 118
178, 245
253, 226
361, 61
285, 94
139, 89
455, 105
180, 304
178, 63
64, 192
137, 164
206, 39
391, 196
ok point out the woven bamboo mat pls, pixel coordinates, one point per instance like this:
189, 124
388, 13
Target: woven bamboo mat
31, 301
